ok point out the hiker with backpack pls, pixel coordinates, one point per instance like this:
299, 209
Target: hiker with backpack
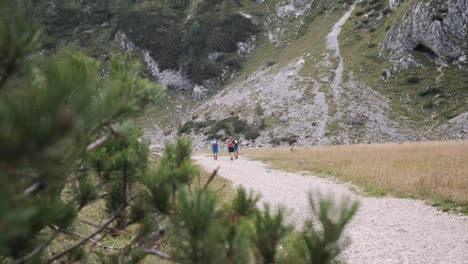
236, 148
215, 149
230, 146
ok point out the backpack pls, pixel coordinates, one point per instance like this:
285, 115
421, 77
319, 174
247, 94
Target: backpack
230, 144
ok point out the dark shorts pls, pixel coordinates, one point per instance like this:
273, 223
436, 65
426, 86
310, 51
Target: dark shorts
231, 150
215, 150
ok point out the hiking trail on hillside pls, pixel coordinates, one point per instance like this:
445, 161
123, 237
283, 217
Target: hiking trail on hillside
384, 230
333, 45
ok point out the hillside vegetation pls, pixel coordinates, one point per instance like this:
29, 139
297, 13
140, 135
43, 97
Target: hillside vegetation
199, 38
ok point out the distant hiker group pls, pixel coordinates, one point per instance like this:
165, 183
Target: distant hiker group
232, 146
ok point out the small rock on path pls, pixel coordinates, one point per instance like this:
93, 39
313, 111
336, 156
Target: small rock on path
385, 230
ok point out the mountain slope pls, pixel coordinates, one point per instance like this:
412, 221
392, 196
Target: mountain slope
305, 72
337, 83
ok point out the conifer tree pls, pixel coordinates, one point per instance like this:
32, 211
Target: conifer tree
68, 140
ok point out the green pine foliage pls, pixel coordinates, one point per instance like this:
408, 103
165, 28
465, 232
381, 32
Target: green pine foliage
270, 230
319, 241
68, 142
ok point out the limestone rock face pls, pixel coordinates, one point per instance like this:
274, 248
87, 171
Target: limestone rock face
437, 28
394, 3
296, 7
456, 127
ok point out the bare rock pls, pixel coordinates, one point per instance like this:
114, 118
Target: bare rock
435, 28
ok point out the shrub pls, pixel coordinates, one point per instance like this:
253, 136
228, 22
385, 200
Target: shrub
270, 63
251, 133
275, 141
259, 110
413, 80
290, 139
430, 91
386, 11
359, 13
186, 128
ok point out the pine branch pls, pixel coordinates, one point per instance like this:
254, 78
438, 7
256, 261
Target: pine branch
93, 234
102, 139
88, 222
97, 143
99, 239
156, 252
35, 187
36, 250
154, 238
128, 247
82, 236
213, 175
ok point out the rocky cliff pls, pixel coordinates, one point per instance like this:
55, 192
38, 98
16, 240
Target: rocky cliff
437, 28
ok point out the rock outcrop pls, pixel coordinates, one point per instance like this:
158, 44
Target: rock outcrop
296, 7
436, 28
168, 78
394, 3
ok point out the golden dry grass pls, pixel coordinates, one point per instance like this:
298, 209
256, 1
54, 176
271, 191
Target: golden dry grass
434, 171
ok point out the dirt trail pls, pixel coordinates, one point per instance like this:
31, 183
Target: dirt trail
333, 45
385, 230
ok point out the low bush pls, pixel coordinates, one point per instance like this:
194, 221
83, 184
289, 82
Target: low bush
186, 128
252, 133
430, 91
413, 80
270, 63
290, 139
275, 141
359, 13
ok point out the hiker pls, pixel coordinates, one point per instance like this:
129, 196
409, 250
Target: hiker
236, 148
230, 146
215, 149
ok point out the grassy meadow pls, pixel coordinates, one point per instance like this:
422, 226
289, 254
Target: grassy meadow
433, 171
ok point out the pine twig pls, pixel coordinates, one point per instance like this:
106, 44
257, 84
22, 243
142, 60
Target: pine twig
93, 234
154, 238
35, 187
85, 221
213, 175
97, 143
156, 252
91, 240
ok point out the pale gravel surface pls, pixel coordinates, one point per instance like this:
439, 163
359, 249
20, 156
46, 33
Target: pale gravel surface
385, 230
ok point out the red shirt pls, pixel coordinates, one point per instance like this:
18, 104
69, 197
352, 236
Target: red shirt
230, 144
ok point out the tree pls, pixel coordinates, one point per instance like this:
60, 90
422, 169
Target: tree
68, 141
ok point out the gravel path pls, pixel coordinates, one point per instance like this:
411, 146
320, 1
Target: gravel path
385, 230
